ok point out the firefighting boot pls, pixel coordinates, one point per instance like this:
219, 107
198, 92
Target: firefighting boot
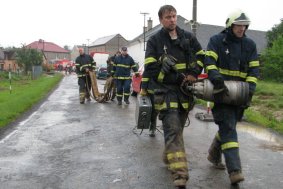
88, 97
215, 154
152, 126
119, 99
236, 177
126, 99
180, 183
82, 97
178, 168
152, 129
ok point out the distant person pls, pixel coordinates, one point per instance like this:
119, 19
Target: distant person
123, 65
173, 56
230, 56
84, 64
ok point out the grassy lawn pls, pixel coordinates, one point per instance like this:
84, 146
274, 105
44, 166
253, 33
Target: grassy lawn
267, 106
24, 94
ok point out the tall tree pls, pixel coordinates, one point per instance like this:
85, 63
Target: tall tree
274, 33
26, 58
273, 61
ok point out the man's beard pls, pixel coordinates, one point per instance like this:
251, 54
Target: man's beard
169, 29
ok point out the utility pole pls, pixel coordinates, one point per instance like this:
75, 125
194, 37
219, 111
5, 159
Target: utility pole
144, 15
194, 24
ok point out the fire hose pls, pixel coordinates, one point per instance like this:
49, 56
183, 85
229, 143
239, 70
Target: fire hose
95, 94
238, 91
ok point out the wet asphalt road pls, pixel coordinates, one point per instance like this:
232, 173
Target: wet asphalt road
66, 145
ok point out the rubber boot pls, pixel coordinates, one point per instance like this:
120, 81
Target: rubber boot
152, 129
126, 99
179, 173
215, 154
82, 97
236, 177
119, 99
88, 97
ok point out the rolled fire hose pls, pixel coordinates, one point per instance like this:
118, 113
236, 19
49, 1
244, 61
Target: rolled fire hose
238, 91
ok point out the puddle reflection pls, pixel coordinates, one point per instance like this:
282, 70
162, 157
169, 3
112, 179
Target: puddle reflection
263, 134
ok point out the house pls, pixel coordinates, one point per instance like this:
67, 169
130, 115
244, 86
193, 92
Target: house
8, 60
204, 32
52, 52
110, 44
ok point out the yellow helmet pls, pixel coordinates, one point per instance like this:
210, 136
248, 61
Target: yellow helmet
238, 17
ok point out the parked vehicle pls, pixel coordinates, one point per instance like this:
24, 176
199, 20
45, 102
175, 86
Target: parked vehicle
101, 73
136, 82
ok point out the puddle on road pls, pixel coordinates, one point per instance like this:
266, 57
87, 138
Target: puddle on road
275, 141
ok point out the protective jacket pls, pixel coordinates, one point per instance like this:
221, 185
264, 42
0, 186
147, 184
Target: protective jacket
232, 58
122, 67
189, 60
82, 62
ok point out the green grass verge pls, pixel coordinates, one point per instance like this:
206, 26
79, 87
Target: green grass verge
24, 94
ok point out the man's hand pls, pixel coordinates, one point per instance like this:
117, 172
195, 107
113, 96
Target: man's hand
86, 70
143, 92
190, 79
137, 74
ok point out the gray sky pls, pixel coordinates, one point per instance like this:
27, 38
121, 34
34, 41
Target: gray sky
70, 22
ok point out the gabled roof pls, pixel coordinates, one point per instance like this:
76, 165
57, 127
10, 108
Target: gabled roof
46, 46
205, 31
102, 40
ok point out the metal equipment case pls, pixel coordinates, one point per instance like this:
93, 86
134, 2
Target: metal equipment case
143, 112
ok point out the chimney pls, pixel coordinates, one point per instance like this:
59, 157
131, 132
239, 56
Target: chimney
144, 29
149, 24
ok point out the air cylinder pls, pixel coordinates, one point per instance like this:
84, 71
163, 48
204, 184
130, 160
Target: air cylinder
238, 91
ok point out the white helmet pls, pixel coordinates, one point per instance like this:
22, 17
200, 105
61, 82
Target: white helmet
238, 17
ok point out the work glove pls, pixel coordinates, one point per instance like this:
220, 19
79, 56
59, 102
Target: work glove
143, 92
167, 64
219, 90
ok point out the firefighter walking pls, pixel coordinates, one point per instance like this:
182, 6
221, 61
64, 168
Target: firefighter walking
84, 64
122, 67
172, 57
230, 56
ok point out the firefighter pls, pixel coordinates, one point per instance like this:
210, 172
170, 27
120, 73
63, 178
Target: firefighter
122, 74
84, 64
172, 57
230, 55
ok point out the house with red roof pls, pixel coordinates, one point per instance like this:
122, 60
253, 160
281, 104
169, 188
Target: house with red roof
52, 52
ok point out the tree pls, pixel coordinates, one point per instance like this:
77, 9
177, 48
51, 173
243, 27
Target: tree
274, 33
66, 47
26, 58
273, 61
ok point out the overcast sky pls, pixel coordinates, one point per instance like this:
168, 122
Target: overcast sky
76, 22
